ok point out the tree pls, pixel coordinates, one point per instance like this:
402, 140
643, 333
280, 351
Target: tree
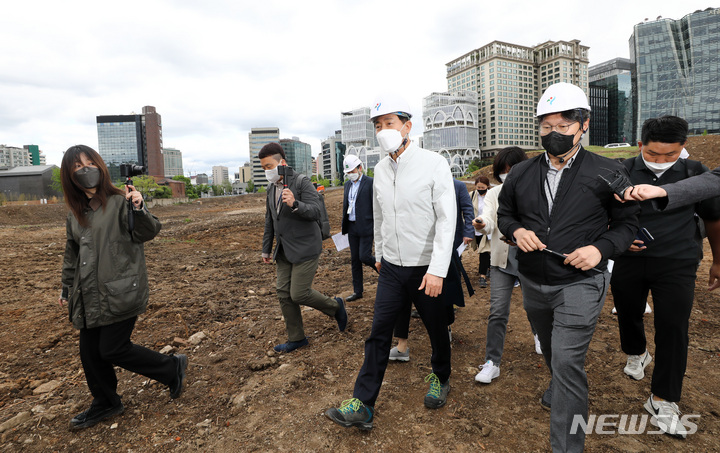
217, 190
163, 192
55, 183
227, 187
370, 172
250, 187
261, 190
189, 188
146, 185
202, 188
337, 183
324, 182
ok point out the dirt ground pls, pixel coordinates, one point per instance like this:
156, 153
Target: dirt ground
206, 276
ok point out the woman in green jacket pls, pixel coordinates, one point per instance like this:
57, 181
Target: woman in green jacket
105, 285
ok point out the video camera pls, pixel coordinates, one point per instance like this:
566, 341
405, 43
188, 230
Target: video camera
130, 170
284, 170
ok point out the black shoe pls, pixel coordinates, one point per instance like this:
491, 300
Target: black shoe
290, 346
94, 415
177, 388
483, 282
546, 398
353, 296
414, 314
341, 314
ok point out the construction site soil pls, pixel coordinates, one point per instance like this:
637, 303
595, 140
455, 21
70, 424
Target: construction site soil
206, 275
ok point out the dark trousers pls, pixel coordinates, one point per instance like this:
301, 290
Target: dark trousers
102, 348
360, 253
402, 325
397, 286
672, 283
484, 264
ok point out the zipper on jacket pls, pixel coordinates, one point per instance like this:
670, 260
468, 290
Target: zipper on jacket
397, 237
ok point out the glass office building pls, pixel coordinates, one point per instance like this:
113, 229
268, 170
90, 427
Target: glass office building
611, 101
678, 70
120, 142
259, 137
298, 155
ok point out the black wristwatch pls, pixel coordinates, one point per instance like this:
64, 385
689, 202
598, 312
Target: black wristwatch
295, 204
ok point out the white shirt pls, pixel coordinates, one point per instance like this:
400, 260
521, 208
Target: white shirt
415, 211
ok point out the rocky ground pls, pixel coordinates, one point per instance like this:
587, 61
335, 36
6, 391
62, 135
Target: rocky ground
213, 299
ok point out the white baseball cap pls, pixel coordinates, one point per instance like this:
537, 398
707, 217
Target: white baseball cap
350, 163
560, 97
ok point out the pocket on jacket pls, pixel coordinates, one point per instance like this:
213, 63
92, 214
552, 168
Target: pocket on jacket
123, 296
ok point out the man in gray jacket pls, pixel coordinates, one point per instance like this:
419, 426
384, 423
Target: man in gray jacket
291, 218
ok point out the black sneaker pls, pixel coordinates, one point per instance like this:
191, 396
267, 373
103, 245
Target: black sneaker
414, 314
353, 296
177, 387
94, 415
290, 346
437, 395
341, 314
352, 412
482, 283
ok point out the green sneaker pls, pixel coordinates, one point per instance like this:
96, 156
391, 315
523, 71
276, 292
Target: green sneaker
437, 395
352, 412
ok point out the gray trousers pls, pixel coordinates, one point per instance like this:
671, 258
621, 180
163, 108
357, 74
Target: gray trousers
564, 317
294, 288
500, 298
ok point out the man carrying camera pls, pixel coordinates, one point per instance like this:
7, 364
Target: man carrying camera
291, 218
663, 260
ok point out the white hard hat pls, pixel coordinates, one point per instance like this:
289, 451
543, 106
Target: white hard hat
389, 103
560, 97
350, 163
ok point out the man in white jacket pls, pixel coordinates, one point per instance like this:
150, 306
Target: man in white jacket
415, 214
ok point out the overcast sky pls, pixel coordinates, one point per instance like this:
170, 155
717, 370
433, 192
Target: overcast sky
214, 69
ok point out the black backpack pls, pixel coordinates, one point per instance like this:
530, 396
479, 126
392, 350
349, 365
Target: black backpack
324, 220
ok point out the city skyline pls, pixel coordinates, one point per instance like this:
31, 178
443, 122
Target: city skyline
218, 70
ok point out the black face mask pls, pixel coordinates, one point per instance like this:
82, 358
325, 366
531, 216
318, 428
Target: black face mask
482, 192
557, 144
88, 177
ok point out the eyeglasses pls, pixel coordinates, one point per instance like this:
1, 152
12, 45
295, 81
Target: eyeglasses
561, 128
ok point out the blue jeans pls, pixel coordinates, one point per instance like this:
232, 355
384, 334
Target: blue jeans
564, 317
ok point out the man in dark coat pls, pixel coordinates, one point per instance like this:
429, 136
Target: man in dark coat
357, 221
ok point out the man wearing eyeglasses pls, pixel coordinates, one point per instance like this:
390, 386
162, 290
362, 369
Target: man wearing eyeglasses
566, 223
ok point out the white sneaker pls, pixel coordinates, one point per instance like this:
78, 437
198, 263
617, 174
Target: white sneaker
648, 310
488, 372
614, 311
668, 417
398, 356
635, 367
538, 349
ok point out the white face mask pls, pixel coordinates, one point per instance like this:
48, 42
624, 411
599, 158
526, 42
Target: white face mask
502, 177
390, 139
272, 175
655, 167
353, 176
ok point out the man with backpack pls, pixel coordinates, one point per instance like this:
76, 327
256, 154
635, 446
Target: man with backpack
663, 260
293, 212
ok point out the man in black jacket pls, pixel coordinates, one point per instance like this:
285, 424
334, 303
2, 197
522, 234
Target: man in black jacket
357, 221
558, 202
663, 259
291, 218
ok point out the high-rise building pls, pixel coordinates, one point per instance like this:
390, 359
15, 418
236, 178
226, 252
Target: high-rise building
331, 157
259, 137
172, 161
12, 156
298, 155
611, 101
245, 173
677, 70
357, 133
451, 128
201, 178
132, 139
36, 156
509, 80
220, 175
